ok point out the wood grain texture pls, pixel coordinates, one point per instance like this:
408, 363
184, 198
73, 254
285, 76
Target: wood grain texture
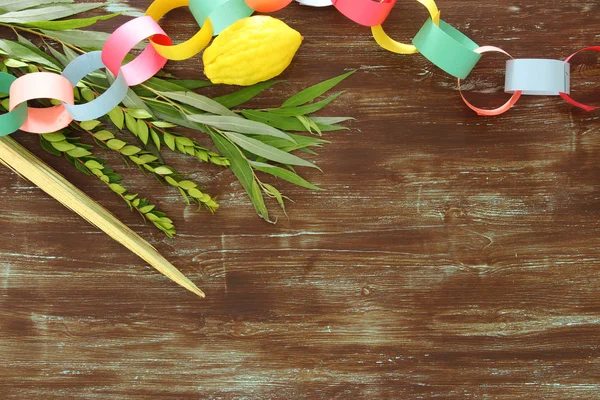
450, 257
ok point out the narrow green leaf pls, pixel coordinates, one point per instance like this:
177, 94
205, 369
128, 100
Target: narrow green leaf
24, 53
70, 23
242, 170
201, 102
284, 174
155, 138
18, 5
85, 39
241, 96
315, 91
307, 109
240, 125
48, 13
269, 152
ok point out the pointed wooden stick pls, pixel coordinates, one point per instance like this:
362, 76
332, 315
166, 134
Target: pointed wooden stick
27, 165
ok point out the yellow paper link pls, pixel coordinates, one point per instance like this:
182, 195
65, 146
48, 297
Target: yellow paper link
390, 44
187, 49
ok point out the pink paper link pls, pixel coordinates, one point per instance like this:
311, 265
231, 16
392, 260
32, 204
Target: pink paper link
124, 39
365, 12
506, 106
568, 98
43, 85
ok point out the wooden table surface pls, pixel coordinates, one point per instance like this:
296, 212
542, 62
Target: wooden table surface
451, 256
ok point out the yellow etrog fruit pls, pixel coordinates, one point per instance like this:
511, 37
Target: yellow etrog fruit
251, 50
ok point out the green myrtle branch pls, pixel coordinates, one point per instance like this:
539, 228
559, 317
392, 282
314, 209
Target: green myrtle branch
147, 162
79, 154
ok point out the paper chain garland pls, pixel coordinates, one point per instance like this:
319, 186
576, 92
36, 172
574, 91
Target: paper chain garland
440, 43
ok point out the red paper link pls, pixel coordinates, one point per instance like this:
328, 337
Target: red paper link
365, 12
568, 98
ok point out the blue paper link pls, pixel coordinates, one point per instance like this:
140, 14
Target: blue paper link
114, 95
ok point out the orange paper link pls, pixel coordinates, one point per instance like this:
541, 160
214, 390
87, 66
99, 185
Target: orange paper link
267, 6
43, 85
503, 108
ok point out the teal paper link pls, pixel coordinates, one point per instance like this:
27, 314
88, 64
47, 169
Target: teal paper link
447, 48
222, 13
114, 95
12, 121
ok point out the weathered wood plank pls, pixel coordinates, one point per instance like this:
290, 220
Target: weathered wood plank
450, 256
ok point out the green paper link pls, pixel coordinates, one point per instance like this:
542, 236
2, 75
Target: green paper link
12, 121
447, 48
222, 13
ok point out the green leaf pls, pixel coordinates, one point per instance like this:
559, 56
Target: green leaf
240, 125
284, 174
192, 84
169, 140
242, 170
272, 191
54, 137
115, 187
155, 138
142, 131
70, 23
307, 109
130, 150
79, 152
164, 125
47, 13
162, 170
182, 140
147, 209
269, 152
26, 51
131, 124
104, 135
132, 100
59, 56
331, 120
63, 146
85, 39
91, 164
159, 85
315, 91
17, 5
89, 125
200, 102
139, 113
274, 120
241, 96
47, 146
117, 117
24, 54
115, 144
187, 185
